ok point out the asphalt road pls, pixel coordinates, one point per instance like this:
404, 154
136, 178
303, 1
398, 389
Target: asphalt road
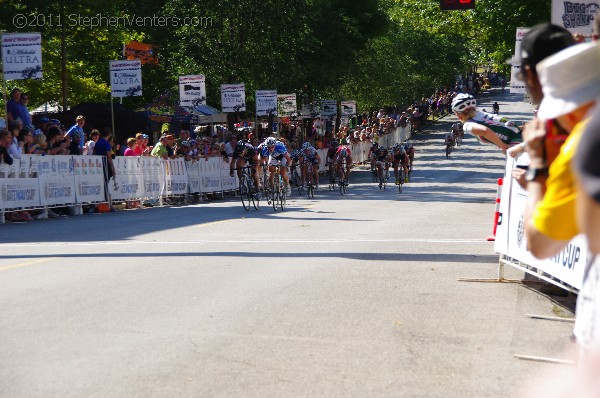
335, 297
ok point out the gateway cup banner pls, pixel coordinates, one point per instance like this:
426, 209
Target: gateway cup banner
516, 85
192, 90
22, 56
286, 104
266, 102
233, 98
126, 78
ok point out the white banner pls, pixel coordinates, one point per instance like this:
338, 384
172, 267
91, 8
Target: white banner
126, 78
311, 111
576, 17
517, 86
153, 176
286, 104
192, 90
22, 56
89, 179
328, 108
266, 102
57, 180
176, 177
568, 266
19, 186
210, 175
348, 108
193, 171
128, 183
233, 98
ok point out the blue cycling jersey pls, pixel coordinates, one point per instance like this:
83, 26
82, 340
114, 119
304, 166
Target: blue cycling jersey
279, 150
309, 153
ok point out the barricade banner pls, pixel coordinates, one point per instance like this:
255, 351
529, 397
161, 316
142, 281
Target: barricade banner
193, 172
210, 175
57, 180
176, 178
89, 179
153, 177
128, 183
568, 266
19, 187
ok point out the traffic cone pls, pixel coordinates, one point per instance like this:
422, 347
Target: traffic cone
497, 211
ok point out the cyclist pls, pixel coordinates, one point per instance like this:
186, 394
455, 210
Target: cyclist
381, 159
244, 153
331, 152
496, 108
343, 153
487, 128
310, 154
410, 151
400, 157
277, 155
449, 139
457, 131
371, 155
296, 155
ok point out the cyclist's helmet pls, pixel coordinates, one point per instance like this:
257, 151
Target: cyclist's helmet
185, 144
306, 146
344, 153
462, 102
375, 145
396, 147
270, 142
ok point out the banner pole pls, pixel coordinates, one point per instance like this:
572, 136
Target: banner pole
4, 88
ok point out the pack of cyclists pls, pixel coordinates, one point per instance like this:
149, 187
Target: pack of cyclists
273, 152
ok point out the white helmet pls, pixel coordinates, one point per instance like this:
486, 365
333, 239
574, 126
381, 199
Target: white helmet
306, 145
462, 102
270, 142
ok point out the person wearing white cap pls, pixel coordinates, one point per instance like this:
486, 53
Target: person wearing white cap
570, 81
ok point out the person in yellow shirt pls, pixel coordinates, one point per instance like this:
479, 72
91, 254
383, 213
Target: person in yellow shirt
570, 81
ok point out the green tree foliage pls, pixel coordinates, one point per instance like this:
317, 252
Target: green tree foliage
379, 52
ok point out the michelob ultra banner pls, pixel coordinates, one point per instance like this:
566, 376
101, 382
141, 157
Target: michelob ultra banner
286, 104
233, 97
126, 78
192, 90
348, 107
22, 56
575, 16
266, 102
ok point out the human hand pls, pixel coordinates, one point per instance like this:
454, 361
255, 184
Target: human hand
516, 150
534, 134
519, 175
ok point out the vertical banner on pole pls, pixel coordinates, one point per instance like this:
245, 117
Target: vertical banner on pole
266, 102
126, 78
22, 56
516, 85
286, 105
192, 90
233, 98
348, 108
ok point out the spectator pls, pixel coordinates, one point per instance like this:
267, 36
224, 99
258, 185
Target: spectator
141, 148
43, 126
130, 144
39, 144
75, 144
77, 127
88, 148
5, 142
160, 149
230, 146
570, 83
56, 144
538, 43
26, 141
14, 149
104, 148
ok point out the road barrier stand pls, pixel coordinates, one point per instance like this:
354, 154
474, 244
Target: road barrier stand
497, 214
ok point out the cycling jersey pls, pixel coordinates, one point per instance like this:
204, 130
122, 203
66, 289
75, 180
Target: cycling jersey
247, 153
507, 131
277, 153
296, 154
339, 151
331, 152
381, 155
309, 153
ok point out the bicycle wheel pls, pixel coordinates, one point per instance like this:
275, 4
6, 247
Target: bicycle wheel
447, 151
255, 194
245, 194
275, 193
282, 193
385, 178
401, 181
